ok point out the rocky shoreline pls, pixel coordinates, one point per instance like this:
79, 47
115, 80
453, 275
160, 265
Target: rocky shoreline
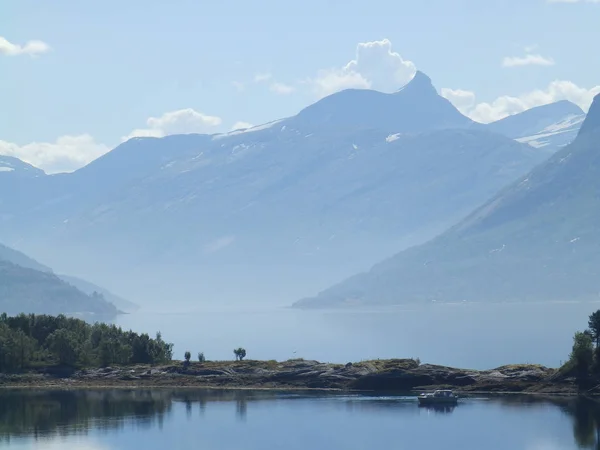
399, 375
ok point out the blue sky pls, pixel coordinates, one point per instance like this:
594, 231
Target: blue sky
97, 72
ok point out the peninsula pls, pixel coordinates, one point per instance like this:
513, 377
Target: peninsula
42, 351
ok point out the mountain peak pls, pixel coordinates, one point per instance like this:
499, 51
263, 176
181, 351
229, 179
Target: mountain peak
592, 121
421, 83
415, 108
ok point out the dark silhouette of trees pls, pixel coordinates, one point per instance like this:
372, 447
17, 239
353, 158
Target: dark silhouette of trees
594, 327
582, 355
29, 339
240, 354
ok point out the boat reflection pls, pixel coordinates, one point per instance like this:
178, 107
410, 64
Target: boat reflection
439, 409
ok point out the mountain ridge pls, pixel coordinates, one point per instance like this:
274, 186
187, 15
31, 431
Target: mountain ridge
28, 276
535, 240
285, 207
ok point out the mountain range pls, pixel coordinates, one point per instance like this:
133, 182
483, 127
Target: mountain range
537, 240
284, 209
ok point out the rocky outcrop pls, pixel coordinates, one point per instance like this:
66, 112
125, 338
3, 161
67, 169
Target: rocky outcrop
400, 375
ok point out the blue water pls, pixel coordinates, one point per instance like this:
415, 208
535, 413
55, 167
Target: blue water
215, 420
472, 336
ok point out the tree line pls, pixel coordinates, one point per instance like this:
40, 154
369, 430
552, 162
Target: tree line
30, 340
585, 355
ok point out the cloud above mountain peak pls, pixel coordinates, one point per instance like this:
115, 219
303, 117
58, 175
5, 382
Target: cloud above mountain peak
375, 66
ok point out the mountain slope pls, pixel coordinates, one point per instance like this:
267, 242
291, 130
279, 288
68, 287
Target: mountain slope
537, 240
31, 291
20, 259
547, 127
16, 167
415, 108
90, 288
32, 287
283, 208
535, 119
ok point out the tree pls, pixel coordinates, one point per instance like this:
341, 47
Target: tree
187, 357
28, 338
201, 357
240, 354
64, 346
594, 327
582, 355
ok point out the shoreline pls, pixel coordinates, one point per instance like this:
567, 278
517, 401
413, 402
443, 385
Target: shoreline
375, 377
414, 393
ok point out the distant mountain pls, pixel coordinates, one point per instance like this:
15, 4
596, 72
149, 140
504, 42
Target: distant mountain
538, 240
283, 208
547, 127
32, 291
16, 167
20, 259
33, 287
415, 108
90, 288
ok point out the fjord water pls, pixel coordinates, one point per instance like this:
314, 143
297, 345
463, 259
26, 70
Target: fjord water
478, 336
228, 420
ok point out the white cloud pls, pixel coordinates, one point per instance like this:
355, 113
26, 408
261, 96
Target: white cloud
527, 60
241, 126
463, 100
32, 48
261, 77
182, 121
281, 88
68, 153
507, 105
329, 81
375, 66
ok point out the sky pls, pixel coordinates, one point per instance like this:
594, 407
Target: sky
78, 77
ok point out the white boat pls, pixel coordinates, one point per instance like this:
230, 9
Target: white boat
439, 397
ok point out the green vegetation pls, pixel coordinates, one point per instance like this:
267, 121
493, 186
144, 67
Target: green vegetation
584, 361
240, 354
30, 340
201, 357
582, 355
594, 327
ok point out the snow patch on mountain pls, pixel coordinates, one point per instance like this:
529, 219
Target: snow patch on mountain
558, 134
248, 130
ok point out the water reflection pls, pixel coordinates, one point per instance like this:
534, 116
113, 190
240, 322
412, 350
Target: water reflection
41, 414
44, 413
439, 409
586, 422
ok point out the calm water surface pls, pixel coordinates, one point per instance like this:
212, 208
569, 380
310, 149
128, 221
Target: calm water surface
475, 336
230, 420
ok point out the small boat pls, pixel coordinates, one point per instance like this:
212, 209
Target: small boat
439, 397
